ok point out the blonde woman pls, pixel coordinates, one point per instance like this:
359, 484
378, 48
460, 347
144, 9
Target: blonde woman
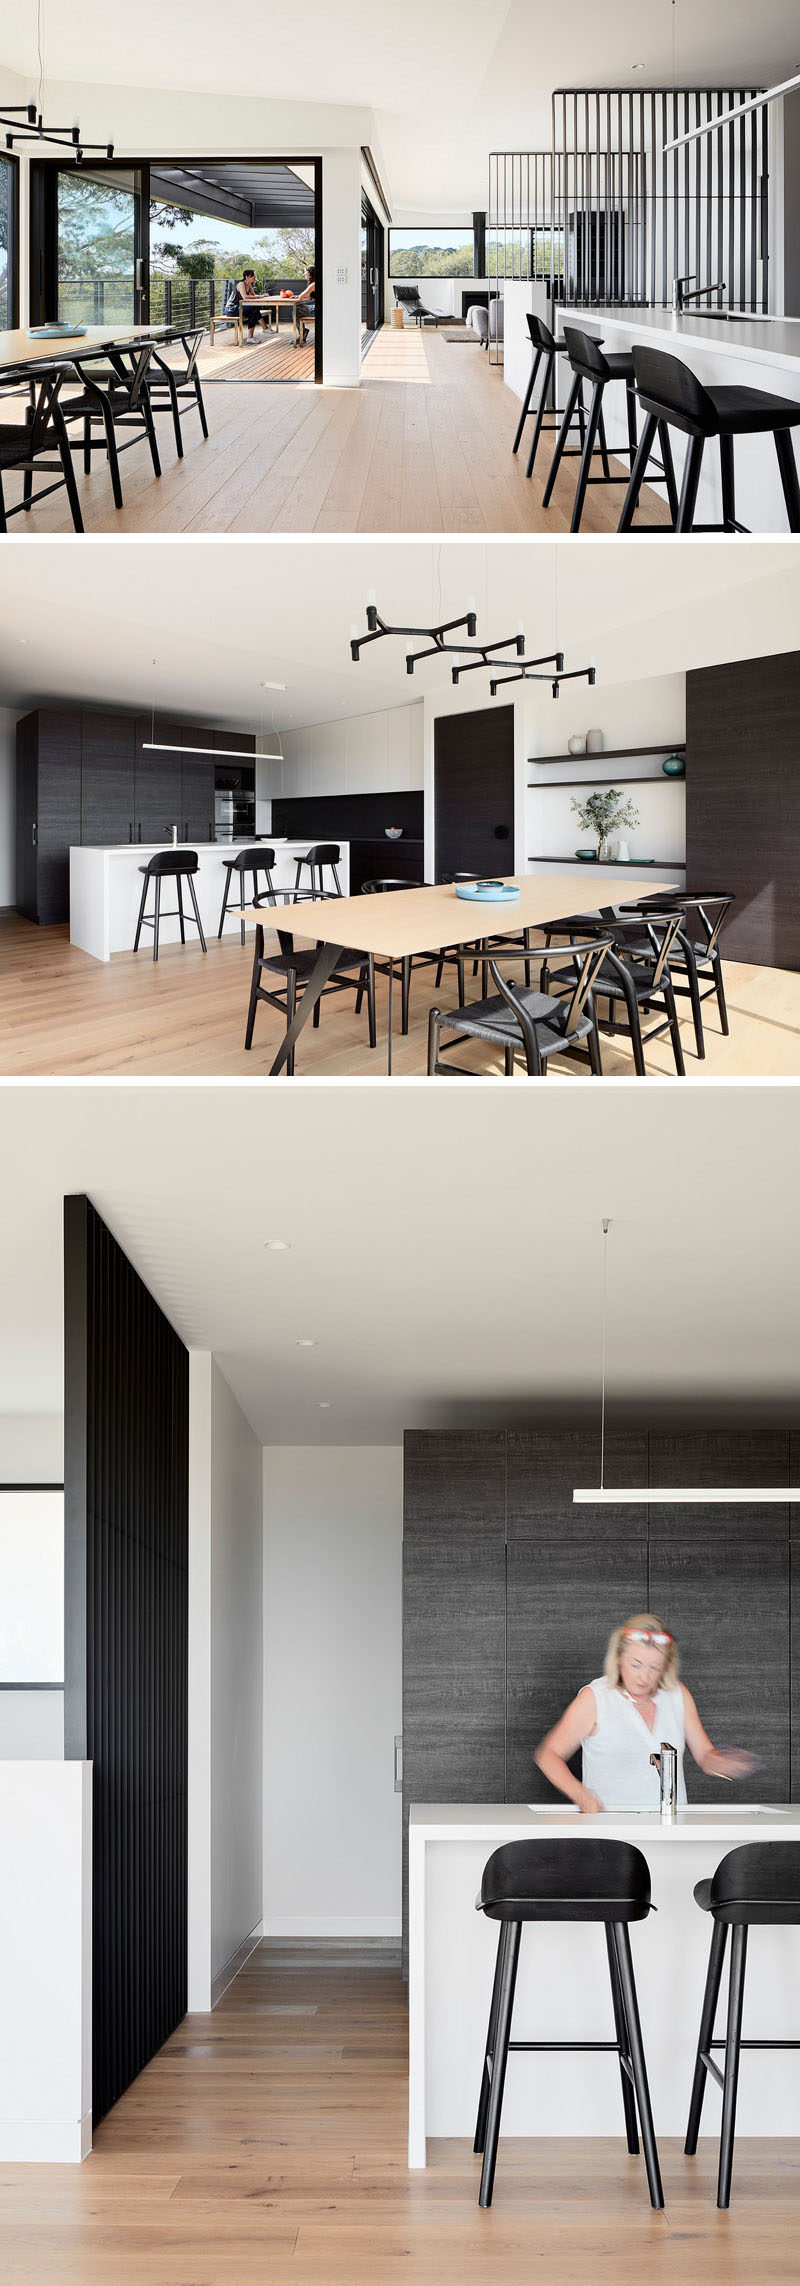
620, 1719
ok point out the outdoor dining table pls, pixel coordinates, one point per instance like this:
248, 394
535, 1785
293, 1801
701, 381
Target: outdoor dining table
276, 302
433, 920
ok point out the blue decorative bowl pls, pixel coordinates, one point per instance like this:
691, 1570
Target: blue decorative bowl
488, 892
55, 332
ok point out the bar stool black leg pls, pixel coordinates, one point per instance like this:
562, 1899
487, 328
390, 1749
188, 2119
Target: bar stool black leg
258, 956
243, 901
732, 2044
196, 912
643, 451
630, 408
527, 401
719, 1935
622, 1942
561, 440
668, 464
691, 479
595, 416
486, 2077
224, 900
601, 430
157, 917
512, 1931
728, 482
142, 903
620, 2027
179, 887
789, 479
540, 413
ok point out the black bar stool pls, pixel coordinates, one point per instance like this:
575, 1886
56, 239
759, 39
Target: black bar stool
252, 861
169, 864
589, 363
670, 393
605, 1881
545, 347
757, 1884
322, 854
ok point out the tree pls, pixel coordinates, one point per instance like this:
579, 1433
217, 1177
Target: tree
285, 253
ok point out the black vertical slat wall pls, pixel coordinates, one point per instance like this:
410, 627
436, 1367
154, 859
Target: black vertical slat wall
126, 1626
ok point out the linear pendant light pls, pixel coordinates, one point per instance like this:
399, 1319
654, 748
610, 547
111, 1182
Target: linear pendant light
729, 118
603, 1495
153, 745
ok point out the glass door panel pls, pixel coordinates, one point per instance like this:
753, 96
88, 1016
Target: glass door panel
100, 270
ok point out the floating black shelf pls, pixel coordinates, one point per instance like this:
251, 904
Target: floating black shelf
608, 778
631, 864
608, 754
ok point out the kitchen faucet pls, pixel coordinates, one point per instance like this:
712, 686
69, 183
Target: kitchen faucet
680, 298
172, 830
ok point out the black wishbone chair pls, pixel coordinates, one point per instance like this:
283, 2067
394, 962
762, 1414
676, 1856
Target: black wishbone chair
697, 957
115, 398
23, 443
170, 386
636, 971
354, 972
537, 1025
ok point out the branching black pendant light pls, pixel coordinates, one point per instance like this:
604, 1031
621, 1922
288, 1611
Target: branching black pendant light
24, 122
529, 670
434, 638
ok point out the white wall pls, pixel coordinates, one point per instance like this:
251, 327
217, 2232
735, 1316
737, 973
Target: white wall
31, 1452
629, 714
8, 805
333, 1526
363, 754
225, 1678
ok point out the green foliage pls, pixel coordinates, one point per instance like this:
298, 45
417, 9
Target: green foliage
424, 261
605, 813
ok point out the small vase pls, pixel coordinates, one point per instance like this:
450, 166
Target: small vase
674, 766
577, 745
595, 742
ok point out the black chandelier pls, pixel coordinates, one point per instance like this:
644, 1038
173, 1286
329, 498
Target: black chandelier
436, 646
32, 130
526, 673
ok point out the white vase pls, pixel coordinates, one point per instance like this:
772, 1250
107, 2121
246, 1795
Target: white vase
622, 855
577, 745
595, 742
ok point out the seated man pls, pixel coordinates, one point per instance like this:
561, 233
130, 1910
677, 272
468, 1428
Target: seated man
243, 293
307, 300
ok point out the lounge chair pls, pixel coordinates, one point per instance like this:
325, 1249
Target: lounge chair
409, 300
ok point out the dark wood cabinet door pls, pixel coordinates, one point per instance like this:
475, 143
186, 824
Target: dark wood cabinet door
107, 780
26, 817
719, 1578
158, 781
59, 809
743, 803
474, 792
573, 1575
197, 799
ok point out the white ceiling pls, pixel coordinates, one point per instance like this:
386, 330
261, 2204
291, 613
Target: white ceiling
220, 617
445, 1242
446, 86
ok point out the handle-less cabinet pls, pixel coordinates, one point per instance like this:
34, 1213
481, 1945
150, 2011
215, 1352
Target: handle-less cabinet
198, 786
107, 779
48, 811
159, 779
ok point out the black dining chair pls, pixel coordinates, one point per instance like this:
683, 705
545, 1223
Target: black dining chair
171, 386
23, 445
535, 1025
755, 1886
354, 972
541, 1881
695, 954
118, 400
670, 393
636, 972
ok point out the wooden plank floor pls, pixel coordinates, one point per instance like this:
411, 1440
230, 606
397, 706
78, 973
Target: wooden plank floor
423, 445
267, 2142
62, 1012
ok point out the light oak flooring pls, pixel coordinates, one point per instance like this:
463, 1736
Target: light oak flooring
62, 1012
268, 2142
423, 445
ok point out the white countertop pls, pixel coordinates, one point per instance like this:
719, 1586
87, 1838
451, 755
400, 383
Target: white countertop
147, 848
496, 1822
768, 341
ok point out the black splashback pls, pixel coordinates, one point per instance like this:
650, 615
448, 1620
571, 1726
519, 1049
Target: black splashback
353, 817
126, 1638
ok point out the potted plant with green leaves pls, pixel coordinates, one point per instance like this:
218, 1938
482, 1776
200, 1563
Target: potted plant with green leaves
605, 814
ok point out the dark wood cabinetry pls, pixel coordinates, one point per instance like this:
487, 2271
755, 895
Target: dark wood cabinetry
743, 801
89, 776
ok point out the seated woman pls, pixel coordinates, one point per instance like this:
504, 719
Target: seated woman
243, 293
307, 300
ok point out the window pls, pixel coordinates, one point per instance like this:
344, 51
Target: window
8, 242
444, 253
31, 1585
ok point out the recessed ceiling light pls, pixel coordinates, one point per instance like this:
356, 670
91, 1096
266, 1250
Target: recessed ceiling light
305, 1342
324, 1404
637, 67
273, 686
277, 1245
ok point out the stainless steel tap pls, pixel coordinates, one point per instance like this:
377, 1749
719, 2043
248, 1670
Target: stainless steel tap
666, 1763
172, 830
680, 298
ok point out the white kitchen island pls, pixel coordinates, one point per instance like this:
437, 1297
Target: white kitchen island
563, 1984
105, 887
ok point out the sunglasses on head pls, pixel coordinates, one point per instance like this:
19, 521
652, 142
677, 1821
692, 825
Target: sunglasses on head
655, 1635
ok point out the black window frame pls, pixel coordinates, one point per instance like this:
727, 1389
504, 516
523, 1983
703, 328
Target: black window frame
465, 277
12, 292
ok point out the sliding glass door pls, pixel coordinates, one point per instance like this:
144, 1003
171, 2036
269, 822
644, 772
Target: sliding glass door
372, 264
99, 252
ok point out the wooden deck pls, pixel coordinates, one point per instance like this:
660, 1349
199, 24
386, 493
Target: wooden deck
424, 445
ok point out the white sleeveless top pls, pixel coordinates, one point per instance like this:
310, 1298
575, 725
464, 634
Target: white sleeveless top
616, 1761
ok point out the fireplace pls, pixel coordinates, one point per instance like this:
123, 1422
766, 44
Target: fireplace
470, 295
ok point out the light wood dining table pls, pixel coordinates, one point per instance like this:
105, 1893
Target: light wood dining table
23, 358
407, 922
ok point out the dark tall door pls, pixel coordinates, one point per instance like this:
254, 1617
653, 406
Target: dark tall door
58, 826
107, 782
474, 792
743, 801
372, 266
